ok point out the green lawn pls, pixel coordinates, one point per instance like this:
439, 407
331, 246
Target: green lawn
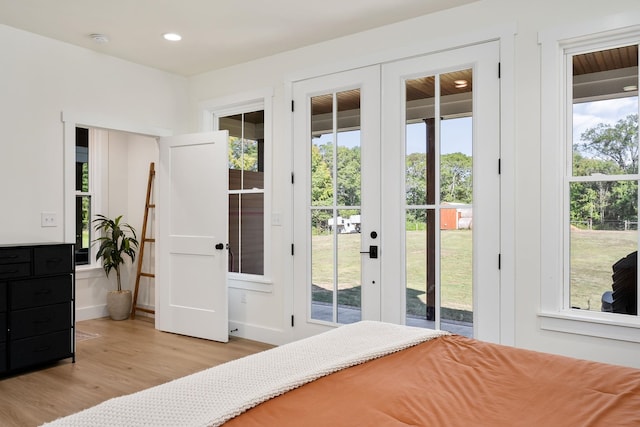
594, 253
455, 271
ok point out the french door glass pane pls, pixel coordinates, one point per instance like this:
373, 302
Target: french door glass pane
416, 268
322, 257
438, 186
335, 207
349, 267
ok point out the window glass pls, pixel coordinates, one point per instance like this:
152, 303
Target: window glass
83, 197
602, 180
246, 191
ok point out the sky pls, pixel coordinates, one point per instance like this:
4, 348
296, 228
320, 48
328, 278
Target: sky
456, 136
588, 114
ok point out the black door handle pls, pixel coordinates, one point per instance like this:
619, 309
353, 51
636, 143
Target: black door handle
220, 246
373, 252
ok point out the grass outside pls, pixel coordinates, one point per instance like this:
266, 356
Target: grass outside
455, 271
594, 252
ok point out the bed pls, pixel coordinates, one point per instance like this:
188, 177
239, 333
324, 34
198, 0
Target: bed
379, 374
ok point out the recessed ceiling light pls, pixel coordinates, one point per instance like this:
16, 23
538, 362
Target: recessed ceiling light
630, 88
172, 37
99, 38
460, 83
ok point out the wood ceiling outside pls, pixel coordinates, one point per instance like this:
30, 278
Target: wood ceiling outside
605, 60
420, 88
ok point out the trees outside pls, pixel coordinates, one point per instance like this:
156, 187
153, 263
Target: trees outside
455, 181
606, 150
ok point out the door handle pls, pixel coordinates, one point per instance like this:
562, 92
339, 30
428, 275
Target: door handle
373, 252
220, 246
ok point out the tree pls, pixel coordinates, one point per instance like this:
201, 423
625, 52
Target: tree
607, 150
321, 180
618, 143
456, 184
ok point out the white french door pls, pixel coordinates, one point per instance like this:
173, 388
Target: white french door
401, 157
336, 200
191, 260
441, 138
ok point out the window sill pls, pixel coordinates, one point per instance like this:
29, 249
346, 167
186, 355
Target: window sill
603, 325
249, 282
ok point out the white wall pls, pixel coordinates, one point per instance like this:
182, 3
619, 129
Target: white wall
39, 79
429, 33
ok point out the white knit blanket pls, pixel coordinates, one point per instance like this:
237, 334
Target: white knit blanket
215, 395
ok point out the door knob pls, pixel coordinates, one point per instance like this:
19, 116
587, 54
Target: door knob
220, 246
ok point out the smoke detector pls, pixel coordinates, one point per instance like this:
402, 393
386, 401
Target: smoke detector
99, 38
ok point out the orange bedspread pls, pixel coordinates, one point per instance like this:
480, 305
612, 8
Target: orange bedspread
456, 381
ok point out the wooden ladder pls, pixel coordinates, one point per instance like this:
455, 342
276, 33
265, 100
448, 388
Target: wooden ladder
143, 241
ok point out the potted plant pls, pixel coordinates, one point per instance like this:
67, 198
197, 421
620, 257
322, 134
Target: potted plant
117, 240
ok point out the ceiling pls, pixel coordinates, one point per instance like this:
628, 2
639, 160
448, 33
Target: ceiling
215, 34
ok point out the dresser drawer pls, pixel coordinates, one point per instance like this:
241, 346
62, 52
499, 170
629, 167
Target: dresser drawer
52, 260
3, 327
39, 321
3, 357
3, 297
15, 255
12, 271
37, 292
43, 348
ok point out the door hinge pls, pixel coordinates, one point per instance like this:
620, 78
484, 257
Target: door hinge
292, 250
292, 108
292, 179
499, 70
499, 261
292, 321
499, 166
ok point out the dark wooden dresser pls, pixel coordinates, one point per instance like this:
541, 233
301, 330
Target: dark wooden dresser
37, 305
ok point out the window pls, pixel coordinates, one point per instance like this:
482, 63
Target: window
601, 189
246, 190
84, 194
91, 175
590, 181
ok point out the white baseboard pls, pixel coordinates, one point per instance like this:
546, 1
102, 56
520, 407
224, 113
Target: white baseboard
92, 312
258, 333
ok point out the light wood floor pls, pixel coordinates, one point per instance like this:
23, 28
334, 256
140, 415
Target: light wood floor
126, 357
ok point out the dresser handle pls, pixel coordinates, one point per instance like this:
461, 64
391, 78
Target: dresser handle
43, 292
39, 349
9, 257
10, 271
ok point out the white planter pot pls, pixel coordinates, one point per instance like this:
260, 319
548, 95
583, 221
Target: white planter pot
119, 304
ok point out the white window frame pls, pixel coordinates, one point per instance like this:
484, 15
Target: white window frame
556, 97
247, 102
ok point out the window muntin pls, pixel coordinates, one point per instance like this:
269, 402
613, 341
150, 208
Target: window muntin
246, 190
601, 185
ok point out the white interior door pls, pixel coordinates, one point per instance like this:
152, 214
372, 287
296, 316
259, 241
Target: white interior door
192, 217
336, 200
